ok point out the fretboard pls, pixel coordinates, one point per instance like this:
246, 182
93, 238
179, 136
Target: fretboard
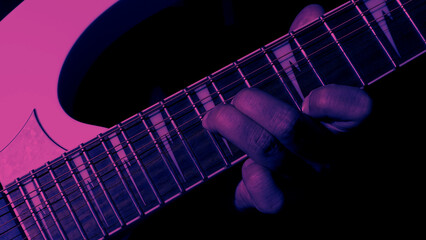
162, 152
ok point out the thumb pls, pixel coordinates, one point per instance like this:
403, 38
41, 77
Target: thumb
306, 16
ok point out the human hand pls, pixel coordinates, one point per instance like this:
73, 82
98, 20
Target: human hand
269, 130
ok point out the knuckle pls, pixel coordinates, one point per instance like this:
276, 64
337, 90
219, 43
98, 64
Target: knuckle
263, 142
220, 115
283, 123
244, 96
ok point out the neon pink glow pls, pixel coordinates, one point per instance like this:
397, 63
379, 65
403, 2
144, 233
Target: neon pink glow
35, 40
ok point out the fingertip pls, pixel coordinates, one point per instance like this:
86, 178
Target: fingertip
242, 199
338, 102
204, 120
307, 15
305, 104
259, 185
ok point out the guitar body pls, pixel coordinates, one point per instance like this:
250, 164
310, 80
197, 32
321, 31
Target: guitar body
46, 48
36, 39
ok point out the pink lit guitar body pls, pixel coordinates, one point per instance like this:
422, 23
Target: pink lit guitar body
35, 40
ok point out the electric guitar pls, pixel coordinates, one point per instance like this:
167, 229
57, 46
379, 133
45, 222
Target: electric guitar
54, 187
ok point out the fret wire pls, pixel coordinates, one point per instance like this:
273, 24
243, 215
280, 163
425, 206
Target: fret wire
40, 228
242, 74
341, 49
67, 204
374, 32
18, 217
49, 208
411, 20
213, 83
13, 218
215, 143
181, 189
132, 198
86, 199
122, 159
185, 144
143, 169
373, 20
101, 184
280, 77
306, 57
216, 89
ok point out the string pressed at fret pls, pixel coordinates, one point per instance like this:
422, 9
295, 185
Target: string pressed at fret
49, 208
132, 198
203, 97
214, 141
101, 184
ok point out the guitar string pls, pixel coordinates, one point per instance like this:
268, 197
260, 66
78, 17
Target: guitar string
180, 126
218, 92
74, 199
75, 210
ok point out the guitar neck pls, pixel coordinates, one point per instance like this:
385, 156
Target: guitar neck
162, 152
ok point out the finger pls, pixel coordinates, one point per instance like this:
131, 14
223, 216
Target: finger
298, 133
246, 134
258, 189
306, 16
243, 199
343, 106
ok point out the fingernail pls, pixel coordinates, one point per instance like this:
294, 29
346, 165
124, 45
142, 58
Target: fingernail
305, 105
204, 120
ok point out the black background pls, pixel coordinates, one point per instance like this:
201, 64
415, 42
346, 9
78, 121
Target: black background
375, 188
